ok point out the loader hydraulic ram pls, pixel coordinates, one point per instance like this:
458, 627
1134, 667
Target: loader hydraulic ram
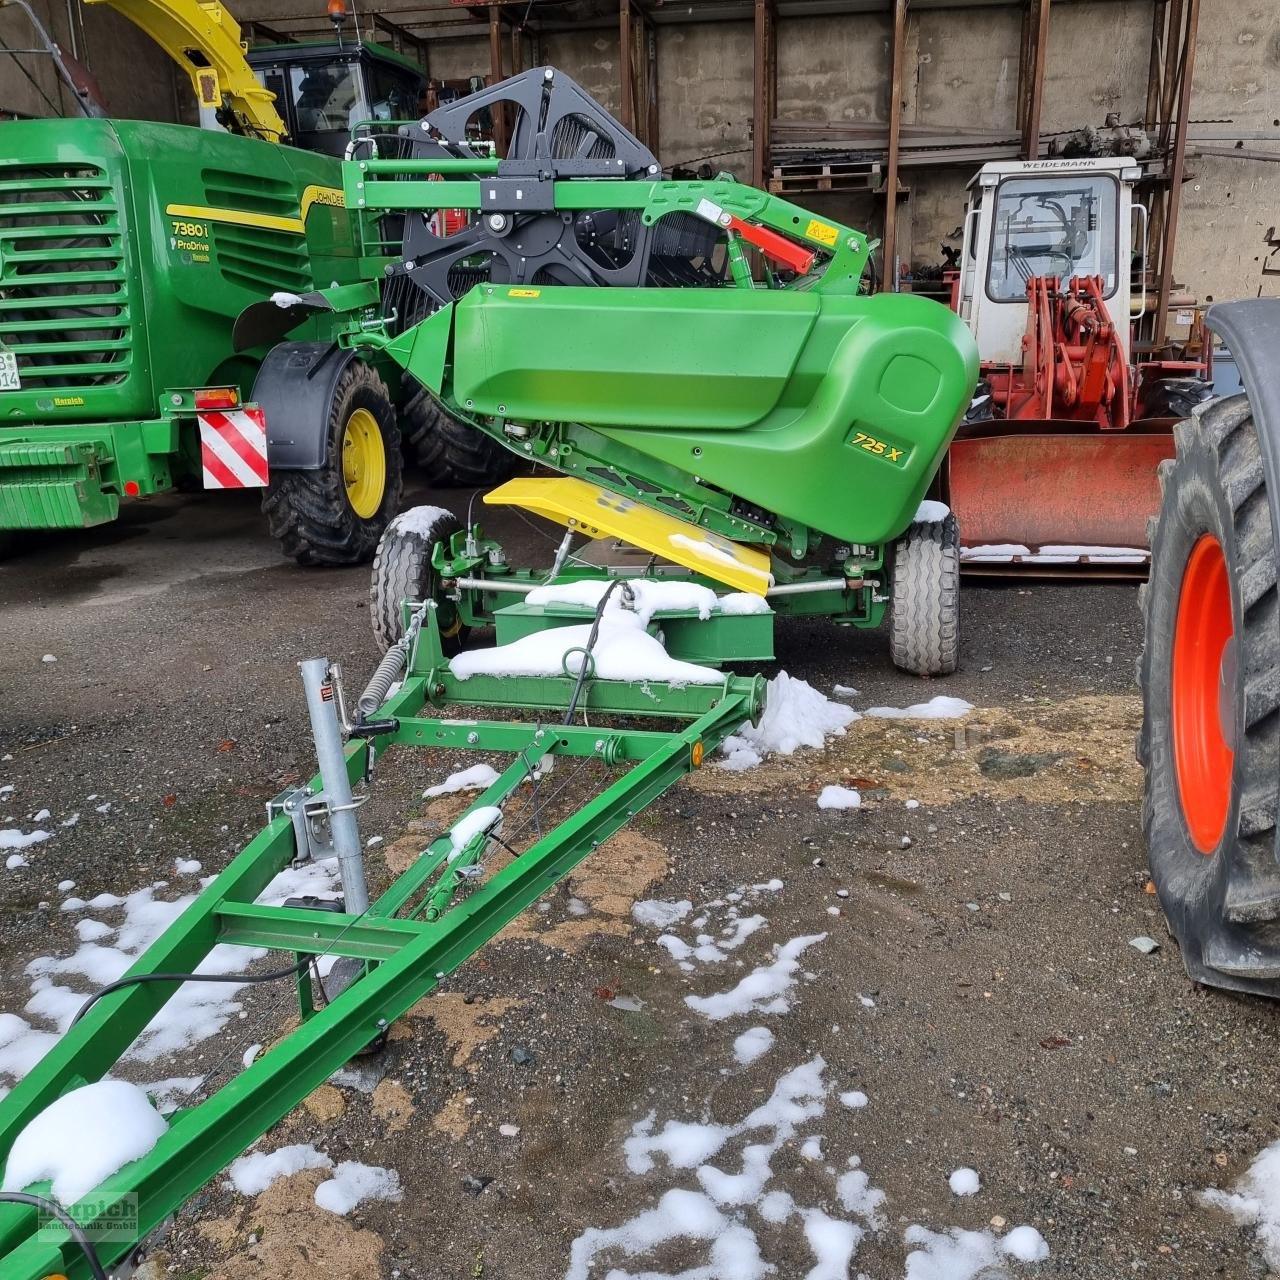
721, 416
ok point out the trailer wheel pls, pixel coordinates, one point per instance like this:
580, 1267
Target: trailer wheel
924, 609
452, 453
402, 571
336, 514
1210, 676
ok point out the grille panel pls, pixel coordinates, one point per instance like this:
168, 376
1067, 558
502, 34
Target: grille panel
64, 297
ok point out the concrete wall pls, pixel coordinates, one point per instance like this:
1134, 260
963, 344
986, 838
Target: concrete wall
961, 69
136, 79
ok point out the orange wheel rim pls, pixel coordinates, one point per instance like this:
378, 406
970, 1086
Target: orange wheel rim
1203, 694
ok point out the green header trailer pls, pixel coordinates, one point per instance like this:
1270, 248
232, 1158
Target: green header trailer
697, 364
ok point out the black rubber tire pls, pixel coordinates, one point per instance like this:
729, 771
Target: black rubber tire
1174, 397
452, 453
309, 512
1223, 908
924, 608
402, 571
982, 405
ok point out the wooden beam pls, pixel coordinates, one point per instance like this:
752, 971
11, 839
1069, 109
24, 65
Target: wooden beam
889, 276
1035, 80
764, 89
495, 74
1159, 12
651, 86
626, 69
1177, 161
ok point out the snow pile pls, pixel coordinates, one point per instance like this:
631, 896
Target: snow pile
486, 818
839, 798
969, 1255
763, 990
624, 650
645, 597
965, 1182
14, 838
752, 1044
421, 520
657, 914
252, 1174
854, 1099
477, 778
1256, 1202
929, 512
83, 1138
353, 1183
940, 707
187, 866
795, 715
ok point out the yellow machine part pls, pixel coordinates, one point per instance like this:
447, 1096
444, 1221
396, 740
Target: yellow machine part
204, 40
597, 513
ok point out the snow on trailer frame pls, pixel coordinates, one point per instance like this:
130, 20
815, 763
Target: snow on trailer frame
396, 950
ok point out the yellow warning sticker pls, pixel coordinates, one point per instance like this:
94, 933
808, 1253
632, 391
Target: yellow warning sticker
821, 232
524, 293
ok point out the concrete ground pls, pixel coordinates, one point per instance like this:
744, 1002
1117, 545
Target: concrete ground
976, 982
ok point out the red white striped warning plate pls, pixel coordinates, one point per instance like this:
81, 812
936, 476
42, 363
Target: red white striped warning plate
233, 448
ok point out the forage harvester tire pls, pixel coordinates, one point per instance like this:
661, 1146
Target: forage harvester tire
924, 608
334, 515
1210, 678
453, 454
402, 571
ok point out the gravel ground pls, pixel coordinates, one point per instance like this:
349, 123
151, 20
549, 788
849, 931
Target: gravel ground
975, 981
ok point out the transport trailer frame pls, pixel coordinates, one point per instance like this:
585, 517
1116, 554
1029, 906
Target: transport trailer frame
426, 924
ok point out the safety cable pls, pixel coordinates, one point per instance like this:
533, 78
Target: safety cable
592, 637
74, 1229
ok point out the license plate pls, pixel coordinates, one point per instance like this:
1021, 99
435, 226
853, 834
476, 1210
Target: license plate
9, 380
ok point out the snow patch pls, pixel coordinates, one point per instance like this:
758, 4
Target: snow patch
353, 1183
969, 1255
477, 778
763, 990
656, 914
839, 798
940, 707
965, 1182
929, 511
420, 520
624, 650
84, 1137
795, 715
252, 1174
13, 838
1255, 1202
752, 1044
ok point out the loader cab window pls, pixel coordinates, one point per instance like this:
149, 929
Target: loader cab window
1053, 226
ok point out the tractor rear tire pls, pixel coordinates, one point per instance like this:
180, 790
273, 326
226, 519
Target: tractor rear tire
452, 453
336, 514
1174, 397
924, 610
1210, 677
402, 571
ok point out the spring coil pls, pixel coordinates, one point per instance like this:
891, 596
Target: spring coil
386, 674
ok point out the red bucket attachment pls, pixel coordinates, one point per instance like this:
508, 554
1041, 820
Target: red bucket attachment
1048, 497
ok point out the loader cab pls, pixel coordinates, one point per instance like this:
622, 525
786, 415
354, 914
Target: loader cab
323, 89
1060, 218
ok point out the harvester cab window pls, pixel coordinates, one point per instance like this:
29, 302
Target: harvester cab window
328, 100
1060, 227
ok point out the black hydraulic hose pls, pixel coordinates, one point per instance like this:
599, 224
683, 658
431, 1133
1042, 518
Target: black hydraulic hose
240, 978
74, 1229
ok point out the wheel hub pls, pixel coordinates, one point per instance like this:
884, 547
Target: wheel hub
364, 463
1203, 691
